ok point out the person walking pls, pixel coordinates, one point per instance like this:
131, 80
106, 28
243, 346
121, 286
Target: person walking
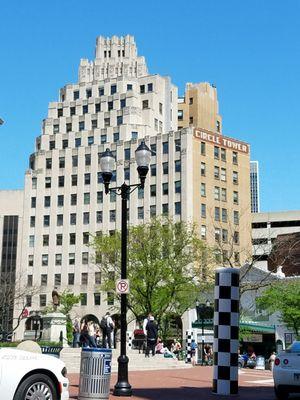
107, 325
91, 334
151, 330
272, 360
76, 333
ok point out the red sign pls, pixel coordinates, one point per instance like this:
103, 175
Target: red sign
122, 286
25, 313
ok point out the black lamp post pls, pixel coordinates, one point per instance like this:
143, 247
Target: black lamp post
107, 163
204, 311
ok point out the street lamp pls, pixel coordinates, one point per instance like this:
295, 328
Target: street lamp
107, 164
204, 311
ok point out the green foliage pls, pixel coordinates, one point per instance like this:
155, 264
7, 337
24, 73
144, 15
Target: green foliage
167, 266
283, 297
67, 301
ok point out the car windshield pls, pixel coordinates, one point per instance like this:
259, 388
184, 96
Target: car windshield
294, 348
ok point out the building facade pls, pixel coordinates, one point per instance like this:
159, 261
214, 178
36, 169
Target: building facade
254, 187
196, 174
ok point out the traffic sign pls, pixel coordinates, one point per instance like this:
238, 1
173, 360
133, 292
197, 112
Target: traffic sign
122, 286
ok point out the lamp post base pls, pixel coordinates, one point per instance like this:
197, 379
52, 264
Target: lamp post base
122, 387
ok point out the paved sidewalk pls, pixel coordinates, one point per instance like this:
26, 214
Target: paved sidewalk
188, 384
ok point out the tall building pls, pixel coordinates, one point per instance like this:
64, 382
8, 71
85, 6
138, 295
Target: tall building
254, 188
196, 174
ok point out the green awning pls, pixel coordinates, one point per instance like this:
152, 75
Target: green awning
252, 326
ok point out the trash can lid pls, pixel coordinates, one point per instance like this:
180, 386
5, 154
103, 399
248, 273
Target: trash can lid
97, 350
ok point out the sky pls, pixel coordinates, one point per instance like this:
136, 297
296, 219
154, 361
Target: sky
249, 49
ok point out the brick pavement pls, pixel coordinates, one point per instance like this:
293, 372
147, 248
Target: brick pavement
188, 384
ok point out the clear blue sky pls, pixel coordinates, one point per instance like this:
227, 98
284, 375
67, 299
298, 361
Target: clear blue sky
249, 49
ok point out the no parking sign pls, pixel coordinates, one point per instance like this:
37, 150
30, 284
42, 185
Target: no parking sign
122, 286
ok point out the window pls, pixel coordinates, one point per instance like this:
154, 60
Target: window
217, 234
178, 166
177, 208
236, 237
88, 93
145, 104
83, 299
165, 147
165, 209
218, 126
134, 135
113, 89
235, 197
224, 215
223, 174
55, 128
217, 172
217, 213
236, 217
236, 257
28, 301
152, 190
152, 211
142, 88
203, 169
72, 111
45, 240
191, 100
61, 181
77, 142
113, 197
31, 241
112, 215
58, 259
29, 280
85, 238
87, 179
150, 87
72, 219
73, 199
177, 144
234, 157
140, 192
203, 210
116, 136
101, 91
110, 105
76, 95
223, 154
86, 198
47, 201
99, 197
99, 217
103, 139
129, 86
235, 177
72, 238
30, 260
57, 279
86, 218
81, 128
32, 221
119, 120
153, 148
223, 194
48, 163
68, 127
43, 300
140, 213
191, 120
44, 260
203, 232
52, 144
203, 189
59, 239
156, 124
217, 193
203, 148
153, 169
74, 161
97, 278
177, 186
122, 103
71, 279
46, 220
65, 143
224, 235
165, 188
60, 200
87, 159
127, 154
84, 110
33, 202
71, 258
126, 174
165, 166
85, 257
180, 115
160, 106
216, 152
97, 107
106, 122
34, 183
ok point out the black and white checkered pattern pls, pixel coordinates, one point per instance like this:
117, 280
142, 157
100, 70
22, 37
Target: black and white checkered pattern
226, 331
188, 342
129, 339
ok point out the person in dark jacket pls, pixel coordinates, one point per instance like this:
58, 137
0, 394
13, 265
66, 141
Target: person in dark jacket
151, 330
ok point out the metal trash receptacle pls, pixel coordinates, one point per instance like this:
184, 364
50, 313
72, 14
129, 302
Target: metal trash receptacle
95, 372
260, 362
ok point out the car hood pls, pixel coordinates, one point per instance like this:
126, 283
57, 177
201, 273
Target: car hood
7, 353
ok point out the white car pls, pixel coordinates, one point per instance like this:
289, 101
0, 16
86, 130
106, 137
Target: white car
286, 372
31, 376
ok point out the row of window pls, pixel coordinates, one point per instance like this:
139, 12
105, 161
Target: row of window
219, 153
71, 279
220, 173
222, 235
83, 299
220, 193
220, 214
59, 258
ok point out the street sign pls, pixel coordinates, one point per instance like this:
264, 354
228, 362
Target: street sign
122, 286
25, 313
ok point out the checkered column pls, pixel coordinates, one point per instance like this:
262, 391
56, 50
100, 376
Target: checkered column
188, 342
226, 331
129, 339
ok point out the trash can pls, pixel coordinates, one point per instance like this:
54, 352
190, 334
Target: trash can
260, 362
95, 372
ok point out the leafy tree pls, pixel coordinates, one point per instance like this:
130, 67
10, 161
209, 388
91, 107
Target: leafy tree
283, 297
167, 266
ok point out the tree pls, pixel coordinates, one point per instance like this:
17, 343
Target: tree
283, 297
167, 266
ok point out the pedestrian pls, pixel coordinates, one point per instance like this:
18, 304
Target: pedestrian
193, 352
76, 333
107, 325
151, 330
84, 339
91, 334
272, 360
